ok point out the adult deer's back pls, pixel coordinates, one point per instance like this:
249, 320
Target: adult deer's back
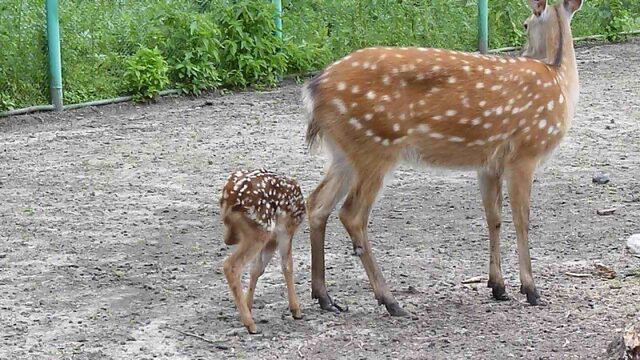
499, 115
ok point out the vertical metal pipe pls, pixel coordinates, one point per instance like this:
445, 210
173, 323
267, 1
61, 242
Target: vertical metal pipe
483, 26
55, 62
278, 17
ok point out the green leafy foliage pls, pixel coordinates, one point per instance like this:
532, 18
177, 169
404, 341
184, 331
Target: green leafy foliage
215, 44
615, 18
146, 73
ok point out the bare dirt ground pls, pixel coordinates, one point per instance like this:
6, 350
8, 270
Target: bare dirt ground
111, 241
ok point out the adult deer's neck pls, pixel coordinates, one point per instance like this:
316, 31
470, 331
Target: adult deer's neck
566, 65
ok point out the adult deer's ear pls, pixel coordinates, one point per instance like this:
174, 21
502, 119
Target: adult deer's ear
538, 6
572, 5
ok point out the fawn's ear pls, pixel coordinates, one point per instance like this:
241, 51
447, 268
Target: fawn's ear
572, 5
538, 6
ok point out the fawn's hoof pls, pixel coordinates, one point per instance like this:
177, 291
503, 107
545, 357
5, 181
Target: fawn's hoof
297, 314
253, 329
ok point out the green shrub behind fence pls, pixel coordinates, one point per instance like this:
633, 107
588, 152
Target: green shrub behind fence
211, 43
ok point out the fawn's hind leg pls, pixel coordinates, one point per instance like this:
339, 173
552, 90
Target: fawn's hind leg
286, 259
259, 264
250, 245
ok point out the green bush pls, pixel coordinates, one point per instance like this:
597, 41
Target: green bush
615, 18
146, 73
207, 44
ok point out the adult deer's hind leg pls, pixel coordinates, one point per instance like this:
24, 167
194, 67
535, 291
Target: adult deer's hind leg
491, 189
520, 179
355, 218
320, 204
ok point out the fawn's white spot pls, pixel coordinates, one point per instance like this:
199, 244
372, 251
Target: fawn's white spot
341, 86
355, 123
340, 105
371, 95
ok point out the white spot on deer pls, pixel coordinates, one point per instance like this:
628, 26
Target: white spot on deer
341, 86
385, 142
487, 125
436, 68
386, 80
452, 80
463, 121
550, 130
403, 116
355, 64
526, 129
403, 83
475, 122
434, 90
480, 68
477, 142
420, 76
456, 139
487, 71
377, 139
436, 135
369, 133
396, 127
422, 102
398, 56
354, 105
379, 108
366, 65
487, 113
385, 98
466, 68
482, 103
437, 117
496, 87
465, 102
451, 113
355, 123
550, 105
498, 110
542, 124
368, 116
399, 140
561, 99
540, 109
371, 95
340, 105
479, 85
355, 89
423, 128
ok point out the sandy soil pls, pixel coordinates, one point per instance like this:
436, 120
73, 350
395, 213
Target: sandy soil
111, 242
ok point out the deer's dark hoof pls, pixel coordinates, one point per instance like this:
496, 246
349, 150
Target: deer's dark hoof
394, 309
498, 291
533, 297
327, 304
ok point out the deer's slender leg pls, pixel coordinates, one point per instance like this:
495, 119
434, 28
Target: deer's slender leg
286, 259
233, 267
320, 204
355, 217
520, 179
491, 189
259, 265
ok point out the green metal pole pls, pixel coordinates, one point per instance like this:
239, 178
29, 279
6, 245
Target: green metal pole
55, 62
278, 5
483, 26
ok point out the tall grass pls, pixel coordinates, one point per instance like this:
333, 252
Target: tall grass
208, 44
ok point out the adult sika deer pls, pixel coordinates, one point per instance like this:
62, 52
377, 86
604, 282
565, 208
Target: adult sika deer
261, 211
501, 116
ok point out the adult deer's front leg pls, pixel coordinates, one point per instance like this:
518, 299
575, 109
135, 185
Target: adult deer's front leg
320, 204
491, 189
355, 217
520, 179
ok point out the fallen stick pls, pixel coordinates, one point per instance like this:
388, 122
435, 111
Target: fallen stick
578, 275
213, 342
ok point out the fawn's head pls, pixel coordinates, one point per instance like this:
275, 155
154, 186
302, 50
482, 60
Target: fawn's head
544, 28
